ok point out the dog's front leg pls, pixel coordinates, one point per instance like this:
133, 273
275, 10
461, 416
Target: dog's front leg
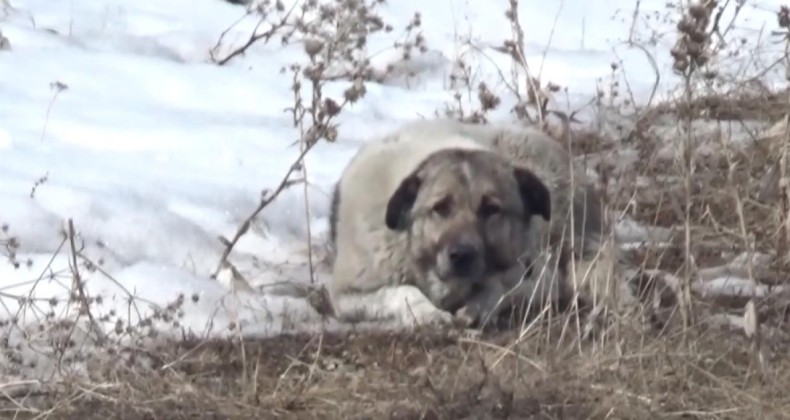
488, 301
516, 287
405, 304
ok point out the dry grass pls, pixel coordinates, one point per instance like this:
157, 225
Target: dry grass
430, 375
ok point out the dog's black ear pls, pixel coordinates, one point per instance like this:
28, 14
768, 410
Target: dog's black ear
534, 193
401, 202
334, 209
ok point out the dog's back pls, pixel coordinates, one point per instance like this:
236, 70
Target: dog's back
369, 256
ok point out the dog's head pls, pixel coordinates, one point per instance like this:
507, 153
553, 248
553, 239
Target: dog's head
466, 213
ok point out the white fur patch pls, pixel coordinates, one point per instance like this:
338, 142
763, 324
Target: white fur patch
405, 304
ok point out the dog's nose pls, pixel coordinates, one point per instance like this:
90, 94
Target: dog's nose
463, 258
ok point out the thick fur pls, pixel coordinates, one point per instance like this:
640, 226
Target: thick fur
379, 229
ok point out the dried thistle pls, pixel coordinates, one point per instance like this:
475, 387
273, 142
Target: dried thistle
488, 100
313, 47
691, 50
783, 17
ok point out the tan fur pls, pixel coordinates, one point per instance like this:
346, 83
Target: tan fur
593, 273
374, 269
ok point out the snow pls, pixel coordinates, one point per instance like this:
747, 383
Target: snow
154, 152
733, 286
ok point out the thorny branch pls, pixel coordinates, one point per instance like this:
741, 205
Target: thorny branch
335, 42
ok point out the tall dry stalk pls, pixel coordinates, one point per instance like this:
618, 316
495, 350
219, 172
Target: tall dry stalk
691, 54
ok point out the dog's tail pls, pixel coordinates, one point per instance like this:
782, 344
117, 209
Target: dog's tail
315, 294
288, 289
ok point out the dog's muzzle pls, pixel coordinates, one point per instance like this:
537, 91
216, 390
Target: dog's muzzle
464, 259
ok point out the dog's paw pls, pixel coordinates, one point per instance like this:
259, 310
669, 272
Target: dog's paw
416, 309
437, 318
423, 313
477, 314
470, 315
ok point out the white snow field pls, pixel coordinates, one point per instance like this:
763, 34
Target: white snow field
154, 152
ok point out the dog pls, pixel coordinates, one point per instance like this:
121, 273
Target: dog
443, 221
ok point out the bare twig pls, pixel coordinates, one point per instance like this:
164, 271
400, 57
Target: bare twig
58, 87
266, 199
85, 304
256, 36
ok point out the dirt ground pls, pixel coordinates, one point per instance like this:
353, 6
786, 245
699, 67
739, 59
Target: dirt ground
434, 375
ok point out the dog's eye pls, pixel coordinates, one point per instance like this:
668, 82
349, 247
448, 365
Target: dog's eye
489, 208
441, 208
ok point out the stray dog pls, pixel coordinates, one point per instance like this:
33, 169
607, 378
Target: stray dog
442, 221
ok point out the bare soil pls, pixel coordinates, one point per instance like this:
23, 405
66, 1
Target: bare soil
433, 375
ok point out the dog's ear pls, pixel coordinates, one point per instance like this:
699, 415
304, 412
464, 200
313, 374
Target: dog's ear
401, 202
534, 193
